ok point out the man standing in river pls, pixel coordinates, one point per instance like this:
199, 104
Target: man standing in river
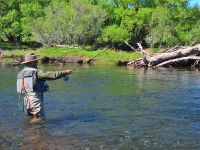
31, 82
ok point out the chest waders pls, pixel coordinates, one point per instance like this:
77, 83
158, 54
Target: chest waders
27, 83
26, 80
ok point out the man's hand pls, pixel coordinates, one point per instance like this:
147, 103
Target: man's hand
68, 72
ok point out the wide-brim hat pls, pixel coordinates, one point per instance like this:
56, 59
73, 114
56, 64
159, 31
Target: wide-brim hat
29, 58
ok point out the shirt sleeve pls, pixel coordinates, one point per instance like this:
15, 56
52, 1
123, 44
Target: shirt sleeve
50, 75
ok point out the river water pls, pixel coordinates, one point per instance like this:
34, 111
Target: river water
107, 108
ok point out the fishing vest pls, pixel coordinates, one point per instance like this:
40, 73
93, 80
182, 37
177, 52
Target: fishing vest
28, 82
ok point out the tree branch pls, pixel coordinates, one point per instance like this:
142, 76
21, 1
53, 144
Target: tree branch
130, 46
141, 49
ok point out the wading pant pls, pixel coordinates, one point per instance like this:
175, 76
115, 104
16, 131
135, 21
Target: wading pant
33, 104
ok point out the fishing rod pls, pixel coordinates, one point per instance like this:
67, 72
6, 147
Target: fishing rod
89, 61
92, 59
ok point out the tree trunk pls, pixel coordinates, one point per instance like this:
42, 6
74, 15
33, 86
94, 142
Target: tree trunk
164, 58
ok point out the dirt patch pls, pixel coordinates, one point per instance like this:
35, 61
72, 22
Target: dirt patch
62, 60
122, 63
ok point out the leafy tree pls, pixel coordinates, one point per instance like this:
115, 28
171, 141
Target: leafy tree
10, 20
115, 33
129, 17
172, 23
76, 22
14, 18
114, 22
187, 26
194, 35
161, 27
30, 11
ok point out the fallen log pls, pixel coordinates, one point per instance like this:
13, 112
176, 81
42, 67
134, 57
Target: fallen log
197, 58
161, 59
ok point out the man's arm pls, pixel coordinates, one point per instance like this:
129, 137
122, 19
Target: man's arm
52, 75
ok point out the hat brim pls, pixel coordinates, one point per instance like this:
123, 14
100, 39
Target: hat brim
25, 62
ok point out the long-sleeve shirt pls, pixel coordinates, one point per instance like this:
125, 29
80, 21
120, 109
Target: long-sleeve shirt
50, 75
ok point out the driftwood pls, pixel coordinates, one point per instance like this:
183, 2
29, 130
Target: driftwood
169, 57
196, 58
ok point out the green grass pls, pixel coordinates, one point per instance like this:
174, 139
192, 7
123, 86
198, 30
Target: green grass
7, 60
104, 57
11, 46
18, 52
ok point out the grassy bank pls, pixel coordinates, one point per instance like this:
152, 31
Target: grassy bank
104, 56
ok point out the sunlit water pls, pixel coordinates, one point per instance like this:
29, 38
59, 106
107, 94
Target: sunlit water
106, 108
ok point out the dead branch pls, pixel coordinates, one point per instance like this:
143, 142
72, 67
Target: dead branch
130, 46
141, 49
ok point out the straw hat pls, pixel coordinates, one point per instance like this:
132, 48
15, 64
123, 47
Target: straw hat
29, 58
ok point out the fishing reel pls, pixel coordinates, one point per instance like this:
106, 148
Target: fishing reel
66, 78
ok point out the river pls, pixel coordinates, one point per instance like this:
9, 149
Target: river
109, 108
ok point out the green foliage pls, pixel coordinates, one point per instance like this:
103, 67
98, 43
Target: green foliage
30, 11
131, 19
114, 33
155, 23
194, 35
161, 27
10, 25
76, 22
8, 60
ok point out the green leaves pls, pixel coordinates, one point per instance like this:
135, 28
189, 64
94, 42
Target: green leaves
76, 22
154, 22
114, 33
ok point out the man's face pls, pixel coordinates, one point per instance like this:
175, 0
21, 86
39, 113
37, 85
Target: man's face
35, 64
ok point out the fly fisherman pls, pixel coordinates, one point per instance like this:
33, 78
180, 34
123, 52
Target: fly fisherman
31, 83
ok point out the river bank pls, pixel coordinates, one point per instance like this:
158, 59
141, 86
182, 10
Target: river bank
71, 55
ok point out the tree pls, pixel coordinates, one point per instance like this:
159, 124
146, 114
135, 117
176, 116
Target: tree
15, 16
115, 34
129, 17
74, 22
10, 20
161, 28
112, 22
172, 23
31, 10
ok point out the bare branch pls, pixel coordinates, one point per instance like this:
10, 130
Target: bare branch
130, 46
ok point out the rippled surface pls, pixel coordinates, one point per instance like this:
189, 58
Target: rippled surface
106, 108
